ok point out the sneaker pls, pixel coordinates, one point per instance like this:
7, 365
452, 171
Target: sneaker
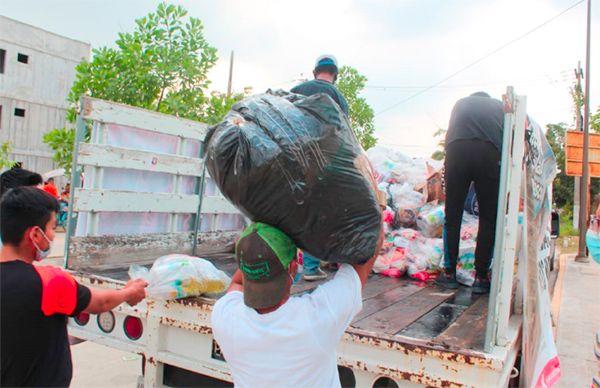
481, 285
447, 279
316, 274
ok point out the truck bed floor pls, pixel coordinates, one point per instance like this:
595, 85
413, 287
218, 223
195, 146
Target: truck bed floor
453, 319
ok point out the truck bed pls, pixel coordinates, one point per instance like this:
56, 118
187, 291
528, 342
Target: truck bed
400, 308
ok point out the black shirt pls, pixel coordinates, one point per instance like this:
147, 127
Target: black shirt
477, 117
315, 86
34, 304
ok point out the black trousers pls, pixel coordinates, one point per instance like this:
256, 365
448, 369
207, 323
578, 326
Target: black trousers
469, 161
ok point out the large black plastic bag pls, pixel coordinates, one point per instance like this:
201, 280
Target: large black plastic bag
293, 162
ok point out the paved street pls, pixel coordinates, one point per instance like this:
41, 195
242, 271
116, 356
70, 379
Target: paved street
578, 321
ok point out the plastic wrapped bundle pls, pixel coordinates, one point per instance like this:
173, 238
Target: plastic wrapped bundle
293, 162
180, 276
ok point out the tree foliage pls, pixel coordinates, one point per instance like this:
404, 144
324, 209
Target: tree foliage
162, 66
61, 142
5, 150
350, 83
440, 153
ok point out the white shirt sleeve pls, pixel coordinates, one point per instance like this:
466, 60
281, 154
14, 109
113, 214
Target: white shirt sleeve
335, 304
221, 318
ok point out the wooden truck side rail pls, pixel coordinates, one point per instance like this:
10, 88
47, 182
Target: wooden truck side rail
103, 252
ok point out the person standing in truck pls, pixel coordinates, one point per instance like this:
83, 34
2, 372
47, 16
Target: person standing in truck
475, 129
35, 300
325, 73
272, 339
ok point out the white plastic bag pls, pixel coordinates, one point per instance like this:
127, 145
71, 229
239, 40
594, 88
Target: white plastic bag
465, 269
431, 221
180, 276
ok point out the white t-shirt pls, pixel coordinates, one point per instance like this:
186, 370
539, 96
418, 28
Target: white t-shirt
293, 346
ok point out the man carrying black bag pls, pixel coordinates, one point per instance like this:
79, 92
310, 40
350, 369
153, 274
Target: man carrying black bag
272, 339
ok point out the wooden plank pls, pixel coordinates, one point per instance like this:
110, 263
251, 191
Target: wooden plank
468, 331
386, 299
397, 316
101, 155
109, 252
440, 318
217, 205
377, 284
101, 200
114, 113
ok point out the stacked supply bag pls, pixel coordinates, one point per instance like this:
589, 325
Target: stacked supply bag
294, 162
414, 218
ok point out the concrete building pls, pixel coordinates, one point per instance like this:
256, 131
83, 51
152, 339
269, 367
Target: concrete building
37, 70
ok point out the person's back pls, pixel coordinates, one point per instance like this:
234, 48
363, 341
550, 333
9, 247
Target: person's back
293, 346
476, 117
315, 86
270, 339
325, 73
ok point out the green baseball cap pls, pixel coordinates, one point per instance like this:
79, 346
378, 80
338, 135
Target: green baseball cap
264, 254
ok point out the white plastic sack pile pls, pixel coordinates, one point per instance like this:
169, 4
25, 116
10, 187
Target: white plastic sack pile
180, 276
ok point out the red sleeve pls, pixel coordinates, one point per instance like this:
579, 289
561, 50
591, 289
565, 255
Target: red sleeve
59, 291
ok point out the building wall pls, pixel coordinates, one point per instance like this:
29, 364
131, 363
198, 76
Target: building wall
40, 87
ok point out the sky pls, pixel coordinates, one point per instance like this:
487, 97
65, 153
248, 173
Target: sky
419, 56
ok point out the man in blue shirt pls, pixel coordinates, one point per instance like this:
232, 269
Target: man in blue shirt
325, 73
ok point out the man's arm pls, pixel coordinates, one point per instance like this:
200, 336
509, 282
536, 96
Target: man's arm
106, 300
237, 282
363, 270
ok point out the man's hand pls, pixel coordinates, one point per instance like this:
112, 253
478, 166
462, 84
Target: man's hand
136, 291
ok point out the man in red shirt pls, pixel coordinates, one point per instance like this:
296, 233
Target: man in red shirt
50, 188
35, 300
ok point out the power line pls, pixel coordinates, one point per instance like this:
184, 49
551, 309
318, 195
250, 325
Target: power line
480, 59
563, 75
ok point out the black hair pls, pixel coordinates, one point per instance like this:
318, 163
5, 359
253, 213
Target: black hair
330, 69
481, 94
22, 208
18, 177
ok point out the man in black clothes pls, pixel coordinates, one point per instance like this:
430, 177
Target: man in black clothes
325, 72
36, 300
473, 153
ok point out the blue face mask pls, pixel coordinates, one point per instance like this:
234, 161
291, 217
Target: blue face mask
39, 253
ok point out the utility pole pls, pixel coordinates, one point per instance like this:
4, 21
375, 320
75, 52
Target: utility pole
230, 74
583, 212
578, 127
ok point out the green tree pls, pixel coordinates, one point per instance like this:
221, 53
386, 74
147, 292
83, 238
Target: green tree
5, 150
162, 65
440, 153
595, 121
562, 188
350, 83
61, 142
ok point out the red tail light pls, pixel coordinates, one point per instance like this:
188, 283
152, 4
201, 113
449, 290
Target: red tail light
133, 328
82, 318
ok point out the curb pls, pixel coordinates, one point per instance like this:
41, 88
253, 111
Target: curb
557, 294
